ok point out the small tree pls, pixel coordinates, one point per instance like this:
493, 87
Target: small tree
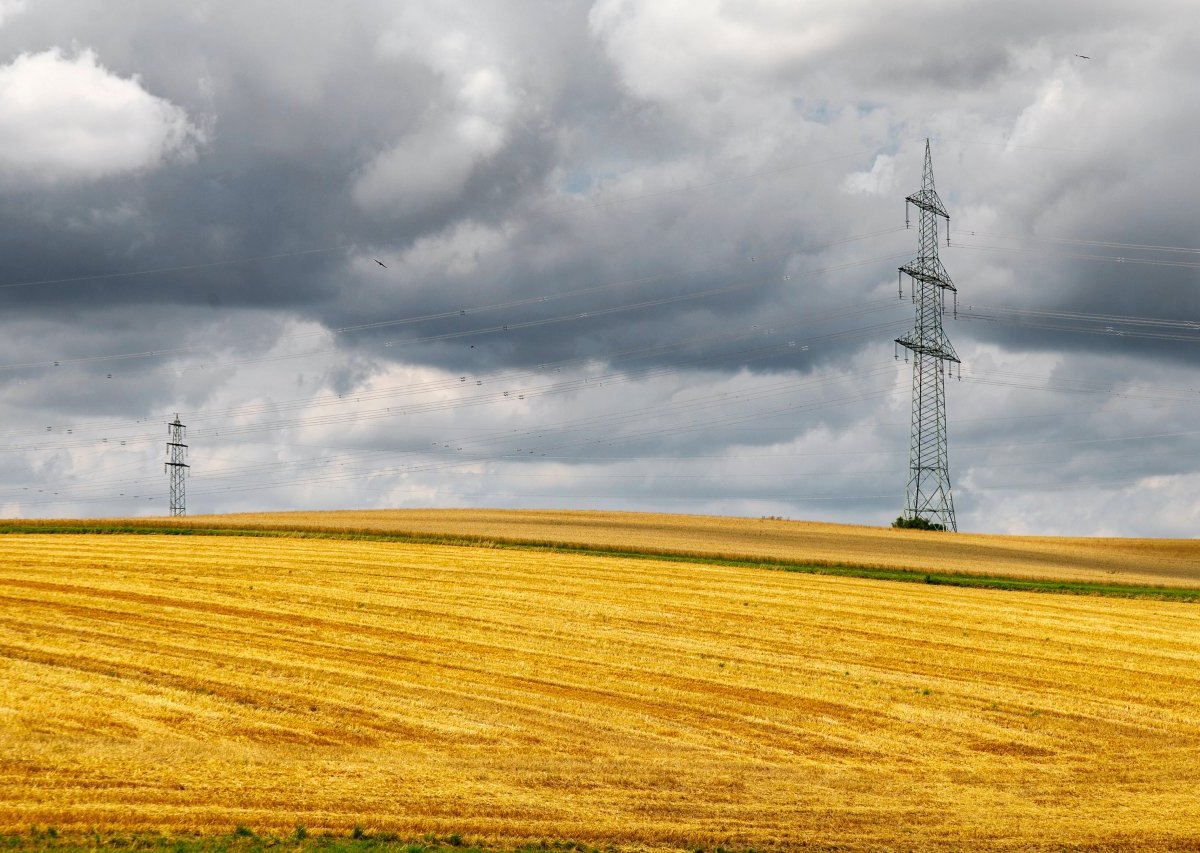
916, 523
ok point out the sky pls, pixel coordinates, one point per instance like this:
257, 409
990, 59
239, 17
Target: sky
618, 254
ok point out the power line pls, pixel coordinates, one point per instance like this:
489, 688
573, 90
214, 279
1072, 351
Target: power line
691, 409
505, 387
1079, 241
548, 205
1189, 396
658, 350
446, 467
1079, 256
471, 310
177, 268
258, 467
987, 311
578, 384
1118, 326
1037, 382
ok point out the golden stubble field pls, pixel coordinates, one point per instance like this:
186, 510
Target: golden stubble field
195, 684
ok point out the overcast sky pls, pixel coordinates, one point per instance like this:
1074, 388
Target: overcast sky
621, 254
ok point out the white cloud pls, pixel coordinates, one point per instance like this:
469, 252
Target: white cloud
667, 49
70, 119
467, 119
455, 252
427, 167
880, 180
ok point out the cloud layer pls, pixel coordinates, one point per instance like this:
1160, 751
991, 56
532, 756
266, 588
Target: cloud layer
621, 253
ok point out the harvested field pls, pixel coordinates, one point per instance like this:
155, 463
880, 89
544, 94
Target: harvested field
195, 684
1166, 562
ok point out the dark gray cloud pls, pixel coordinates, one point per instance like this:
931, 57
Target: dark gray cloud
638, 254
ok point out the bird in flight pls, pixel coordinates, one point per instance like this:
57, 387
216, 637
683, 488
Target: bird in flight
381, 263
1081, 56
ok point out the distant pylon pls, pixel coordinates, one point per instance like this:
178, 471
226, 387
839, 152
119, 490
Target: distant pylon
176, 466
928, 495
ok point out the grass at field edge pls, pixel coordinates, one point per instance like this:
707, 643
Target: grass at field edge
958, 579
245, 840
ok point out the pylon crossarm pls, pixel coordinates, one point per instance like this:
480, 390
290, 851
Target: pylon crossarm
928, 200
934, 352
937, 277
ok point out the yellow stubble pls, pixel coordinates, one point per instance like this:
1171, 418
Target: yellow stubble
195, 684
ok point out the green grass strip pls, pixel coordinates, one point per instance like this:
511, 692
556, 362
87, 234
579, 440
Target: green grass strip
957, 579
245, 840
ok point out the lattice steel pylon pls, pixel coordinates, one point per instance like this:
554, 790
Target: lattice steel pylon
928, 495
176, 467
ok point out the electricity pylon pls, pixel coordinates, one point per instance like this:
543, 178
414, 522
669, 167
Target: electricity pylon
176, 467
928, 495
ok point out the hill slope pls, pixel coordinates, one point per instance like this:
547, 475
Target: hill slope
194, 684
1171, 562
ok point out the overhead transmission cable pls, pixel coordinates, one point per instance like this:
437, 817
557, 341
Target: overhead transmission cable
446, 466
673, 430
689, 408
1077, 241
552, 205
498, 397
507, 384
474, 310
1139, 328
1085, 256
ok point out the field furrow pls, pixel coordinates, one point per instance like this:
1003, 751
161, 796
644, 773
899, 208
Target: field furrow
198, 683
